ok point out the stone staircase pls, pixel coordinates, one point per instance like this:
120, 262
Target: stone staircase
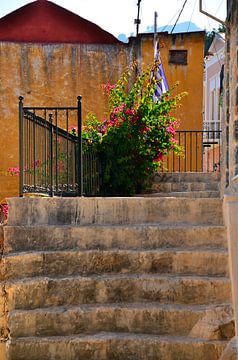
187, 184
115, 279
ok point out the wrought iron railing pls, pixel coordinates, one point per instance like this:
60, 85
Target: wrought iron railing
201, 152
52, 156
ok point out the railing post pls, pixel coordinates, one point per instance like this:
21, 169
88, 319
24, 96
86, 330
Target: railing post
21, 174
80, 157
51, 156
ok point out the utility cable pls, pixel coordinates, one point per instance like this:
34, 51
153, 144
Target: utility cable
195, 3
179, 15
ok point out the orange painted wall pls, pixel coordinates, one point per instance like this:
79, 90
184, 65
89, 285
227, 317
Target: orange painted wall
190, 76
51, 75
55, 74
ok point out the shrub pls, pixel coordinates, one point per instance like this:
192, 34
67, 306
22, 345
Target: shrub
136, 135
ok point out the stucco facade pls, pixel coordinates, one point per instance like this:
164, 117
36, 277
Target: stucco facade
54, 73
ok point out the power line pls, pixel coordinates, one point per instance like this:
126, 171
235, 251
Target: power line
179, 15
170, 21
195, 3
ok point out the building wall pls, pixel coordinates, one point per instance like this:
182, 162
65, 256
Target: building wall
190, 76
51, 75
55, 74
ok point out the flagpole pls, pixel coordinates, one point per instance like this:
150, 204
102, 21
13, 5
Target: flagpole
155, 28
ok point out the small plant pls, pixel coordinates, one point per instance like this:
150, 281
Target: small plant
136, 135
4, 208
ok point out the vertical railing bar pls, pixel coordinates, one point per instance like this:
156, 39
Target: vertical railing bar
34, 149
45, 152
185, 146
191, 150
56, 150
51, 155
213, 152
179, 156
21, 181
197, 152
67, 148
80, 172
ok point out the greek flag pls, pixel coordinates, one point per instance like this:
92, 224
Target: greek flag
161, 82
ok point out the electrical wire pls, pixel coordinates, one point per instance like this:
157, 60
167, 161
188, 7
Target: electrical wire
170, 20
179, 16
222, 1
195, 3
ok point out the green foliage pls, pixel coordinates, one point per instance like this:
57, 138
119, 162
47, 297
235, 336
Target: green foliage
138, 133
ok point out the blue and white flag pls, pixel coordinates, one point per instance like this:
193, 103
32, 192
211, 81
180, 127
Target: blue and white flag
160, 78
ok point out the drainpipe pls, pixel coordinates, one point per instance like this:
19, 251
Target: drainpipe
209, 15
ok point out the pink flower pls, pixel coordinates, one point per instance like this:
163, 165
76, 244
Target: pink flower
14, 171
108, 87
170, 129
5, 209
160, 157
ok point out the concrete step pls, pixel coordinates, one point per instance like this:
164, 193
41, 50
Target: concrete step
184, 194
111, 346
47, 292
112, 211
88, 262
90, 319
103, 237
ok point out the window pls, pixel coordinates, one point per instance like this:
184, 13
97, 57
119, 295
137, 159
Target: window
178, 57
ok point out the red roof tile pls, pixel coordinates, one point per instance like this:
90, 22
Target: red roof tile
45, 22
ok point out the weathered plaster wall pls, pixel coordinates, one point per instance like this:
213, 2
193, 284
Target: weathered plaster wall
55, 74
51, 75
190, 76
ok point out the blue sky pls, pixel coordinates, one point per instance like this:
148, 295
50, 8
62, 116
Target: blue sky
118, 16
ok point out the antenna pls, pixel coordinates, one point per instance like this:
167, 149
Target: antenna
137, 20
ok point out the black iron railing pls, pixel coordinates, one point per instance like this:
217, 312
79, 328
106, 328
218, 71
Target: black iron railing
202, 152
52, 156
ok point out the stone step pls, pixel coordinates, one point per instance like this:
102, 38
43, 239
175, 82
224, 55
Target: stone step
184, 194
186, 187
90, 319
22, 238
88, 262
47, 292
111, 346
136, 210
190, 177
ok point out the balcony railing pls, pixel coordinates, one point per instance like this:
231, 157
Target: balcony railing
201, 152
52, 156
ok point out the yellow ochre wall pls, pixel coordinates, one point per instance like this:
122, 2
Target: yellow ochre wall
190, 76
51, 75
55, 74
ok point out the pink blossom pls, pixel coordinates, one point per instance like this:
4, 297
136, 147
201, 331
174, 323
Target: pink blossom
5, 209
160, 157
170, 129
14, 170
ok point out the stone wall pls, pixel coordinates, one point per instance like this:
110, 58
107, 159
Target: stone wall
230, 122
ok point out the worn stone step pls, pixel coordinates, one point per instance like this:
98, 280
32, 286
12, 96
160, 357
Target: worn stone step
88, 262
185, 186
111, 346
23, 238
136, 210
184, 194
47, 292
184, 177
90, 319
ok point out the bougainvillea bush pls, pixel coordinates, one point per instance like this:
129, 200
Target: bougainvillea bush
136, 135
